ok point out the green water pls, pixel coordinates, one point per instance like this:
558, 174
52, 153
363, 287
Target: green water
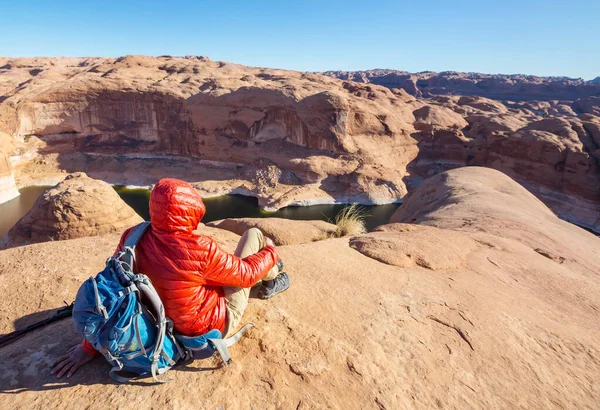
238, 206
228, 206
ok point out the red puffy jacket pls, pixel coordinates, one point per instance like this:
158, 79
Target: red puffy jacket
190, 270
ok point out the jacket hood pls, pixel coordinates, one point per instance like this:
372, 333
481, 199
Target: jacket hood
175, 206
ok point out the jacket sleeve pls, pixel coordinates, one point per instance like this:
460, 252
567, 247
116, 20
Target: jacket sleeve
88, 348
224, 269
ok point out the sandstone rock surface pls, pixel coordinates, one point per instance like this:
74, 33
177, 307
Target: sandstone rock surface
78, 206
408, 246
513, 326
282, 231
279, 131
482, 199
291, 138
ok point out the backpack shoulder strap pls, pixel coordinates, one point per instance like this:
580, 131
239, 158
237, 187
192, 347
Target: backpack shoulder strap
128, 251
197, 347
135, 235
222, 345
158, 310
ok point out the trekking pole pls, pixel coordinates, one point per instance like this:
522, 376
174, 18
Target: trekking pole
61, 313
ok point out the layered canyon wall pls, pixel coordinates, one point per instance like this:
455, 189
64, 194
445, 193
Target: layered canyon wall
286, 137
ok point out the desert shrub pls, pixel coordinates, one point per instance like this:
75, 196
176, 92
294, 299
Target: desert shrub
350, 221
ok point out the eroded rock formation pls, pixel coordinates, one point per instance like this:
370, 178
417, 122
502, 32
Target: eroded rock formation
8, 188
77, 207
286, 137
475, 194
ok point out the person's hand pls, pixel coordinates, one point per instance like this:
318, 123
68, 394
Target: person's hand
269, 242
69, 363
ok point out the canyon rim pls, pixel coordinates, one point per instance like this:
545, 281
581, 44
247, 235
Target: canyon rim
295, 138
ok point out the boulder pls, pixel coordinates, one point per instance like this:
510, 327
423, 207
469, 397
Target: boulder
78, 206
282, 231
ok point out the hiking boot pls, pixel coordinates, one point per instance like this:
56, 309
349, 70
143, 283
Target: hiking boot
279, 265
273, 287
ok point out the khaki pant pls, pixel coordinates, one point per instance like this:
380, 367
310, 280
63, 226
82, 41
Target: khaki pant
252, 242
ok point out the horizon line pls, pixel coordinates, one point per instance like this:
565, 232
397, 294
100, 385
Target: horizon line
187, 56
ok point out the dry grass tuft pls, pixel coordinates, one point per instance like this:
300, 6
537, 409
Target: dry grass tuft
350, 221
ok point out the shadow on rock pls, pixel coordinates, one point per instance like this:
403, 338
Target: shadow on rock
27, 360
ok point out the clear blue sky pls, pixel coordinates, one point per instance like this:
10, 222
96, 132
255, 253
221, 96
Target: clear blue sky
543, 37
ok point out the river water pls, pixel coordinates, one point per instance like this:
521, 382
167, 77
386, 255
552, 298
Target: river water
228, 206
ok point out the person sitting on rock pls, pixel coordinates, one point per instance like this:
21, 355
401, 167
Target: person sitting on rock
202, 287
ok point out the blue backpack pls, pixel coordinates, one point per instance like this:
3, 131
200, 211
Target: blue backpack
120, 313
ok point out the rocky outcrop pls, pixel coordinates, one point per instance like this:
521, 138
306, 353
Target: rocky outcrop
78, 206
478, 194
282, 231
510, 321
291, 138
224, 117
554, 157
516, 87
481, 199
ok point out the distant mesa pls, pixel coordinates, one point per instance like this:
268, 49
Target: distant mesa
514, 87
